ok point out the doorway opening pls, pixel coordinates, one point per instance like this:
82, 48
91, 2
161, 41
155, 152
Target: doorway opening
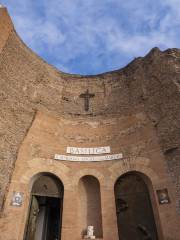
45, 212
135, 218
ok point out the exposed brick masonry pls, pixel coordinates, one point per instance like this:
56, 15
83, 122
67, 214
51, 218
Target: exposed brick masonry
28, 84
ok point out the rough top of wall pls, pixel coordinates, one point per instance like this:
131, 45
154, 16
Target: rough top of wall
6, 26
28, 84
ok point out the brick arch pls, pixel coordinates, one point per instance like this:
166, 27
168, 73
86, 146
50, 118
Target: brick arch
34, 178
91, 172
59, 172
134, 164
89, 204
141, 166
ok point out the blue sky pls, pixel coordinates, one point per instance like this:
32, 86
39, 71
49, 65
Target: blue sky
95, 36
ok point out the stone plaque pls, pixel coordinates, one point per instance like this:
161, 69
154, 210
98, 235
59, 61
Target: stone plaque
89, 158
88, 151
163, 196
17, 199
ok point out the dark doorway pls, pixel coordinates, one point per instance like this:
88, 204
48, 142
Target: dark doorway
134, 210
45, 214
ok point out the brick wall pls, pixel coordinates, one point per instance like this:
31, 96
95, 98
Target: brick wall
27, 84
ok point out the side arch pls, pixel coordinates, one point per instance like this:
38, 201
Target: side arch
138, 164
59, 170
135, 218
44, 219
142, 166
46, 183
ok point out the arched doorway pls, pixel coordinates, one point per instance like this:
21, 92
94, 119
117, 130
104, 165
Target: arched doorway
135, 217
45, 212
90, 205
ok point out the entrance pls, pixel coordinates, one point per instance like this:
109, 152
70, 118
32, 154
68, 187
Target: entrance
135, 217
45, 214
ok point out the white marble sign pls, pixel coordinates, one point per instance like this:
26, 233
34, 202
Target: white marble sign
88, 151
89, 158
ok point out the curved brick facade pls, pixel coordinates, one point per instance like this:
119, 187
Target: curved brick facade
135, 110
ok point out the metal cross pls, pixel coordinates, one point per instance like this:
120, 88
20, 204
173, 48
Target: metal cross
86, 97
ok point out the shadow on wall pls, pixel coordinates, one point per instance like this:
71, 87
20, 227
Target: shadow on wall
135, 216
90, 205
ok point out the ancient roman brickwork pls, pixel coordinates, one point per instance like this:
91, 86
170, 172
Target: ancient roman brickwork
28, 84
132, 135
135, 109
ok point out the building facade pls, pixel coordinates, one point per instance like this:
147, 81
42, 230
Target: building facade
79, 151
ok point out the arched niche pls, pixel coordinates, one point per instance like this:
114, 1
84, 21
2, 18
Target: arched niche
90, 205
134, 210
45, 210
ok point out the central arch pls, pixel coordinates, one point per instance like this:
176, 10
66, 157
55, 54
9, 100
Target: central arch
45, 211
90, 205
135, 218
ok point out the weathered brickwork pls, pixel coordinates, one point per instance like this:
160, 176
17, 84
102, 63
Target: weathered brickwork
135, 110
173, 166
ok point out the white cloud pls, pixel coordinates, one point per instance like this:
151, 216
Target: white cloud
66, 30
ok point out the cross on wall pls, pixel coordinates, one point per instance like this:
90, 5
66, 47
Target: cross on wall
87, 96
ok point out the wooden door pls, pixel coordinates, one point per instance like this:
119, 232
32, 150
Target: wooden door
31, 227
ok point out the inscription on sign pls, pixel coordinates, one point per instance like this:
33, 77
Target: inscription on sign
88, 151
89, 158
